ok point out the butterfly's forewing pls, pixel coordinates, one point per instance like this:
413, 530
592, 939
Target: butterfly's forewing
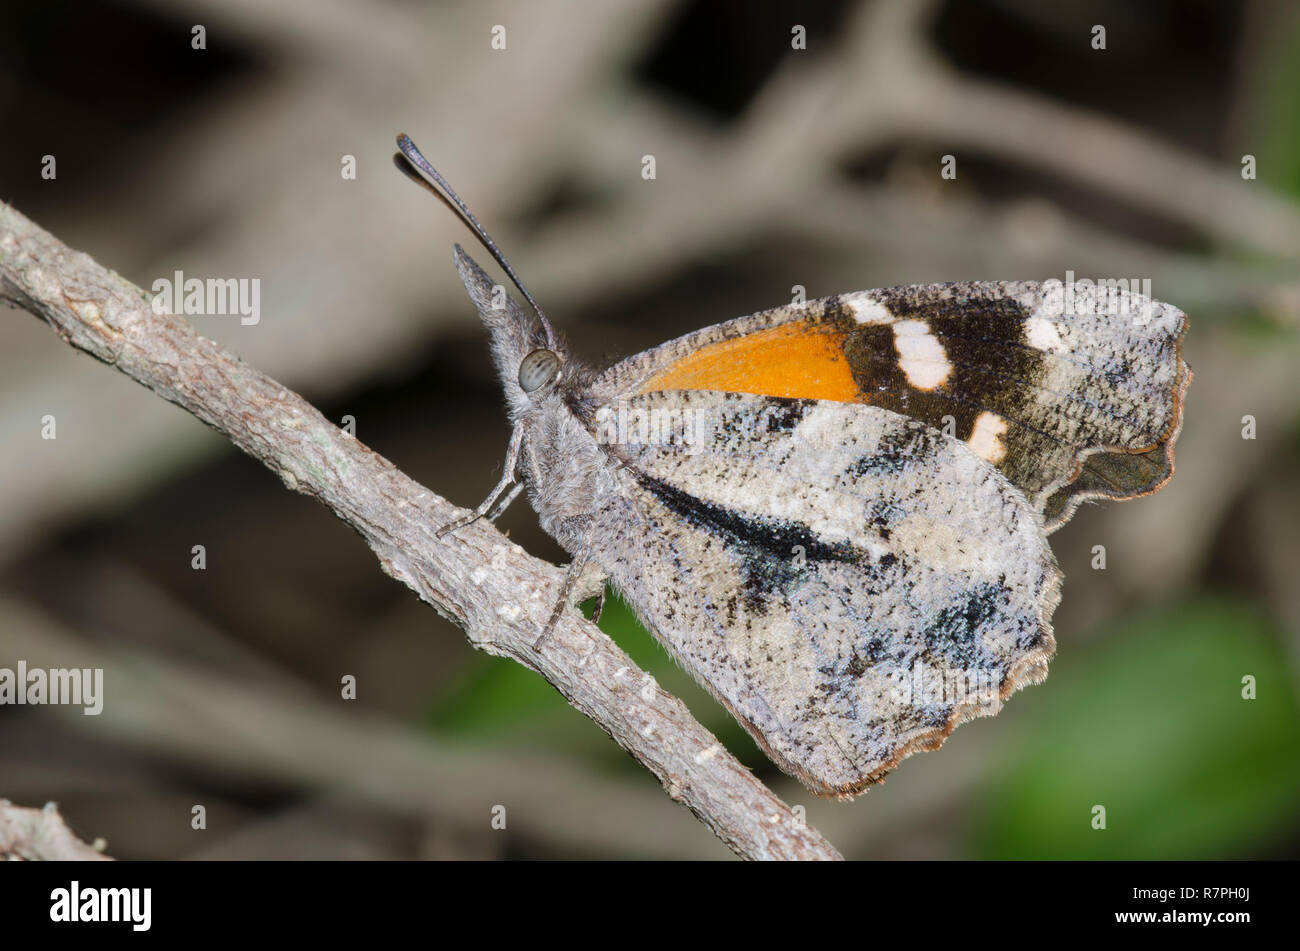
1069, 402
850, 583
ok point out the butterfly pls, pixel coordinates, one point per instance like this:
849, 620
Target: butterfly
834, 513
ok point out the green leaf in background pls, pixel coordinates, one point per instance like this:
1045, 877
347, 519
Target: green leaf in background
1153, 726
1273, 119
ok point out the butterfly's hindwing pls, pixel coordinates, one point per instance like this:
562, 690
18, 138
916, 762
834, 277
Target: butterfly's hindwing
850, 583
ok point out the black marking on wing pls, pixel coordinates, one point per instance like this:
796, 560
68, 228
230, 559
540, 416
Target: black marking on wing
898, 448
783, 414
957, 632
766, 546
984, 340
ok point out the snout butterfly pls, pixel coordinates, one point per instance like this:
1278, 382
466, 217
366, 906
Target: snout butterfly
834, 513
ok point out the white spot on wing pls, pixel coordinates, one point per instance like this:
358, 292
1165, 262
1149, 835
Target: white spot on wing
1043, 335
867, 310
920, 354
984, 439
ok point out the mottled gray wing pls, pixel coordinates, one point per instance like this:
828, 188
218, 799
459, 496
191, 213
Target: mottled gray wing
850, 583
1072, 394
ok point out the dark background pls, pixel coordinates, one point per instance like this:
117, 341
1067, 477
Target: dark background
774, 168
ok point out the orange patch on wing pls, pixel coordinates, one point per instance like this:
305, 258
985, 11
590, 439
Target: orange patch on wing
799, 360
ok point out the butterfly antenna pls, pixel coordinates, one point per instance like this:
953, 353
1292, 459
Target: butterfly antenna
408, 160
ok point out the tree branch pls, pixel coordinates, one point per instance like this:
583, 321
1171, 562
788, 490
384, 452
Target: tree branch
476, 578
41, 835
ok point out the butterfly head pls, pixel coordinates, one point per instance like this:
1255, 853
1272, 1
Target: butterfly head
527, 351
532, 363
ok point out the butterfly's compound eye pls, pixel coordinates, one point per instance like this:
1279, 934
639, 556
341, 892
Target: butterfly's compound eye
537, 369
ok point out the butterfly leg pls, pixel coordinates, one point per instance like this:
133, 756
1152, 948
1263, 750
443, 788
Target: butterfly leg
582, 582
600, 605
505, 503
507, 479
